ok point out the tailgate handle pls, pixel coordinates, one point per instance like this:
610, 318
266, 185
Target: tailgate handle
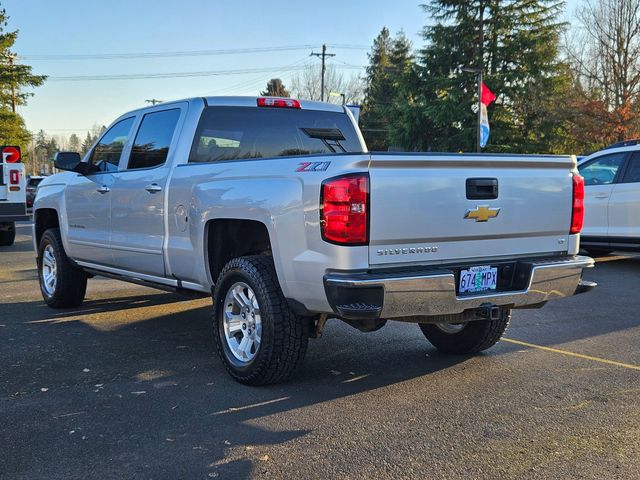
482, 188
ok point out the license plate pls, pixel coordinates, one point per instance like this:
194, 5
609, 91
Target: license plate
478, 279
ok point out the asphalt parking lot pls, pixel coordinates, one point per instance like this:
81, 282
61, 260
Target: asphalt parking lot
129, 386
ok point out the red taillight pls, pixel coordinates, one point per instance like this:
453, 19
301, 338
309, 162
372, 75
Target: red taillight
278, 102
14, 177
344, 206
11, 154
577, 214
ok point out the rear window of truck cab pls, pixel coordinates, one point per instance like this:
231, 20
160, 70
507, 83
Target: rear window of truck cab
245, 133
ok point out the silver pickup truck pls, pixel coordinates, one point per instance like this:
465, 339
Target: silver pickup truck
276, 209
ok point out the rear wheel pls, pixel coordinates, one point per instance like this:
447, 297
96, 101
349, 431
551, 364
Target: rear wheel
471, 337
259, 339
7, 234
62, 284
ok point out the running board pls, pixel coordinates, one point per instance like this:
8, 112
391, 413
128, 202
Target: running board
146, 283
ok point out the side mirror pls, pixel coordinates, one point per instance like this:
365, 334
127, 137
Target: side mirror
70, 161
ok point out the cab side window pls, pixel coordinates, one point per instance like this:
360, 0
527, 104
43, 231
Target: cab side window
603, 170
151, 146
632, 175
106, 154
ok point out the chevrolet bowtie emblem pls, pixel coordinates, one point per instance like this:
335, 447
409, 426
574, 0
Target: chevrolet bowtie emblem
482, 214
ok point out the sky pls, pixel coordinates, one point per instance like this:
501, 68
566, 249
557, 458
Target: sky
68, 28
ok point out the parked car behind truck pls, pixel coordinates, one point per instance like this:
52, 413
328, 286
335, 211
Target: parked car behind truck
612, 199
276, 208
32, 188
13, 206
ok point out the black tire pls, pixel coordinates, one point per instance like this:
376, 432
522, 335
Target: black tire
284, 335
474, 337
8, 235
598, 252
71, 282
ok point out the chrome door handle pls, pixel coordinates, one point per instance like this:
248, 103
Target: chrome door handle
602, 195
153, 188
103, 189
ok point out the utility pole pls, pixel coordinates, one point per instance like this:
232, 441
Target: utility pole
480, 66
153, 101
13, 87
323, 55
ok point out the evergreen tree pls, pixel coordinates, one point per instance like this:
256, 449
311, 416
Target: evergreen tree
12, 129
378, 93
41, 139
275, 88
519, 58
52, 148
13, 76
87, 143
389, 60
74, 144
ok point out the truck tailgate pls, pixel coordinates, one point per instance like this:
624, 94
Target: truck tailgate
420, 213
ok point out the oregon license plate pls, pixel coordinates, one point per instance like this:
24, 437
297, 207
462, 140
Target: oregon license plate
478, 279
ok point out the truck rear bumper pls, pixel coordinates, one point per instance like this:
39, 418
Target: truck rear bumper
13, 212
14, 218
432, 291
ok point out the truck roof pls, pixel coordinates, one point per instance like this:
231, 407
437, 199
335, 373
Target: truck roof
238, 101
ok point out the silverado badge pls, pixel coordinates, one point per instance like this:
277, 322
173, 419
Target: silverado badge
482, 214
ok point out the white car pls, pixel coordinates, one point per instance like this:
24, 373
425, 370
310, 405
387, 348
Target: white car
612, 199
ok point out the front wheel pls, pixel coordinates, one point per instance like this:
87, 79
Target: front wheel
259, 339
62, 284
465, 338
7, 234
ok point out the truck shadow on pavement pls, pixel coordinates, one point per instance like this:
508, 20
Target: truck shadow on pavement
99, 388
129, 384
20, 247
23, 241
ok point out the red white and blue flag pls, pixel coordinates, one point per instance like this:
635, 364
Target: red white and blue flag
485, 99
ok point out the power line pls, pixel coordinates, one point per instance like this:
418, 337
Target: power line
184, 53
261, 79
253, 81
137, 76
209, 73
343, 46
63, 129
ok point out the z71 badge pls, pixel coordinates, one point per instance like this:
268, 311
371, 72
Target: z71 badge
313, 166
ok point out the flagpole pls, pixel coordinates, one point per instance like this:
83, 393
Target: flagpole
479, 147
480, 62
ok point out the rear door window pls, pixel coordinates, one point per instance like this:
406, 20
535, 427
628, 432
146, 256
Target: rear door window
244, 133
151, 145
106, 154
632, 174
